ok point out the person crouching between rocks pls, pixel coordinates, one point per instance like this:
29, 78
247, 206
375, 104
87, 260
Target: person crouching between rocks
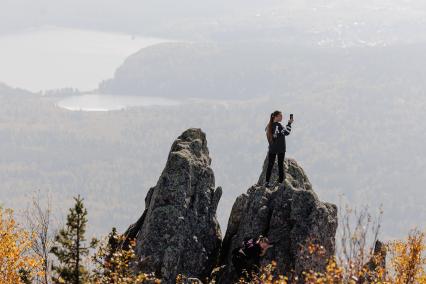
276, 134
246, 258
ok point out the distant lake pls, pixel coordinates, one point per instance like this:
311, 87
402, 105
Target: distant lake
97, 102
55, 57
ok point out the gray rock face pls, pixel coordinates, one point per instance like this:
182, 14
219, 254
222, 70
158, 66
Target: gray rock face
178, 232
291, 216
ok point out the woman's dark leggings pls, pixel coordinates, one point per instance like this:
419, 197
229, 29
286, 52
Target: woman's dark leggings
271, 161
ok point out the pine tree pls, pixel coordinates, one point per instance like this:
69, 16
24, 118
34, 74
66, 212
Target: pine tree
70, 247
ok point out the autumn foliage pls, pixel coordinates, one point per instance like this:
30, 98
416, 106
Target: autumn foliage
17, 262
115, 261
405, 264
408, 259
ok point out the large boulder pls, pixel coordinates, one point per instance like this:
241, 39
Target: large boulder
291, 216
178, 232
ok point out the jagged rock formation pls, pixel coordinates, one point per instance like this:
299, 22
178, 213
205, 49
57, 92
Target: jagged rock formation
178, 232
291, 216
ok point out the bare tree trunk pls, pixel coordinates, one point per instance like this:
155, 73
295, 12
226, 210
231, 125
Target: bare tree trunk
38, 219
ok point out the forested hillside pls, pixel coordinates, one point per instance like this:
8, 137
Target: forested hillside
349, 138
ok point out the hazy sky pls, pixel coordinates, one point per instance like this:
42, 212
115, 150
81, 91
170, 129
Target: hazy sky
48, 44
140, 16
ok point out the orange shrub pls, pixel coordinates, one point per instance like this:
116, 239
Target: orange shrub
16, 260
408, 259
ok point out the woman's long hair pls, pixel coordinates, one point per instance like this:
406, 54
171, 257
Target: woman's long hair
268, 128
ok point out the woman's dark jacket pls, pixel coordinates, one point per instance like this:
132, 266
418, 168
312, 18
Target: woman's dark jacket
279, 133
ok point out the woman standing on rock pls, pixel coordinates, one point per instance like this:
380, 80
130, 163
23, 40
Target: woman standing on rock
276, 132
